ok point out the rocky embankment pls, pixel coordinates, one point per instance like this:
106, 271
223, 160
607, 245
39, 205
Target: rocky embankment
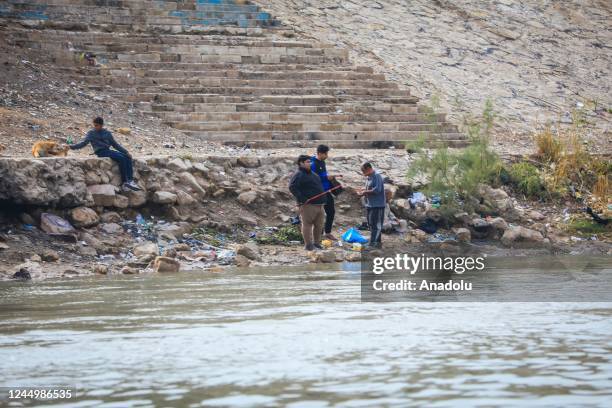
67, 217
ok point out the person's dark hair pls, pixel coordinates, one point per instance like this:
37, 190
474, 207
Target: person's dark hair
366, 165
98, 121
322, 148
302, 159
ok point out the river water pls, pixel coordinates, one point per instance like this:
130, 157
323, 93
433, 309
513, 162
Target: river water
294, 337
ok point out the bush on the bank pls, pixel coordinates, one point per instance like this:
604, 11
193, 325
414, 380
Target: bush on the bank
454, 176
526, 179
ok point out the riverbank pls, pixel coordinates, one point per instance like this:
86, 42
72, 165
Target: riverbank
210, 212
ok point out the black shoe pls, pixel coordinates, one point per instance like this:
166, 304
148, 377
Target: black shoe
318, 246
309, 247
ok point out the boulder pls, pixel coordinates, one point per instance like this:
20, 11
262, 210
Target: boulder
100, 269
111, 228
137, 198
84, 217
248, 162
178, 165
87, 250
121, 201
517, 234
463, 235
110, 216
163, 264
103, 194
49, 255
249, 250
189, 180
496, 198
93, 242
128, 270
247, 198
184, 199
176, 229
52, 224
499, 224
535, 215
242, 261
164, 197
323, 256
149, 248
352, 256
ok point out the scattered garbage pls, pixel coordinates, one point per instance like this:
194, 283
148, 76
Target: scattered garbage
417, 198
429, 226
439, 237
353, 236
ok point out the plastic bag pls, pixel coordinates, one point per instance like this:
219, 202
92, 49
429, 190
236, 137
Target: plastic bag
352, 236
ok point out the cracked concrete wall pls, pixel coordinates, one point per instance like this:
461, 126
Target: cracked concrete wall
536, 60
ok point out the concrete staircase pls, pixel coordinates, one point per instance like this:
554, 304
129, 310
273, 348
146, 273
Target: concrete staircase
225, 71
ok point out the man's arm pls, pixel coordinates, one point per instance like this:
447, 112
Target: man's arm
117, 145
294, 187
81, 144
377, 186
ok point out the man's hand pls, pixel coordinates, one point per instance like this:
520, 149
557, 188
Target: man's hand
360, 192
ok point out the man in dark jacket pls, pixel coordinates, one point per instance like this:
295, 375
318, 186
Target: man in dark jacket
375, 202
307, 189
319, 167
101, 141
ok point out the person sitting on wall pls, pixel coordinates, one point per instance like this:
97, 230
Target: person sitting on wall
101, 141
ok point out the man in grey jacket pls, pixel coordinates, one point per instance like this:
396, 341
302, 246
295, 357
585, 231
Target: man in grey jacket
374, 195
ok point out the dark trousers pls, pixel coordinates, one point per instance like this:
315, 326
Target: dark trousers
330, 212
376, 217
124, 162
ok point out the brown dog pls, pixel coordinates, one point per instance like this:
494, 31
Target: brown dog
46, 148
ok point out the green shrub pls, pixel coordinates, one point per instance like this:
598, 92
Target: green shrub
456, 175
526, 179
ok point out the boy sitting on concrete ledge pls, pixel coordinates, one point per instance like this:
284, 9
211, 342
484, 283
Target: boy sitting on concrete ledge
101, 141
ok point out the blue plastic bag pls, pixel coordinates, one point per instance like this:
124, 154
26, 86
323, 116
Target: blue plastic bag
352, 235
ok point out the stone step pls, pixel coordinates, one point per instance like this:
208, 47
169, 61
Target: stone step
281, 100
415, 118
230, 58
278, 96
256, 49
246, 74
205, 81
341, 144
373, 109
211, 38
228, 67
286, 126
400, 136
154, 15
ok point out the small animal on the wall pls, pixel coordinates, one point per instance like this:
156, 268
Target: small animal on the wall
45, 148
2, 148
